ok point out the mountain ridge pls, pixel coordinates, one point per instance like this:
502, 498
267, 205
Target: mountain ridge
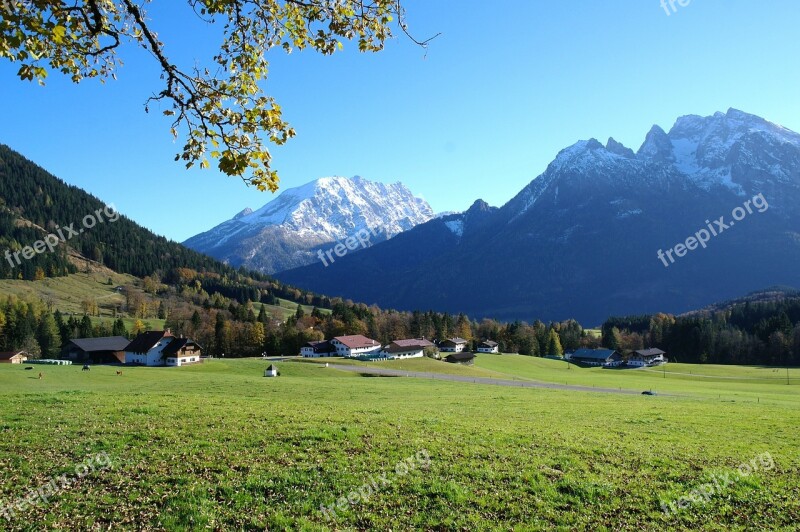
581, 239
287, 231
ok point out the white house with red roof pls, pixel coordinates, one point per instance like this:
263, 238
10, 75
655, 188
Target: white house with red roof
355, 345
412, 348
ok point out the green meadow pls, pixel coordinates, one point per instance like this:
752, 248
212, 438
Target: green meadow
217, 446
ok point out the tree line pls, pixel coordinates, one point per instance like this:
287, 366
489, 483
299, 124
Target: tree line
745, 332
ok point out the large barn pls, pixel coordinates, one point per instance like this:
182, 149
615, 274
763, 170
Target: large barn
104, 350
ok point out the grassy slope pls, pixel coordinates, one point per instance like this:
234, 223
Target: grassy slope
67, 293
287, 308
726, 382
219, 446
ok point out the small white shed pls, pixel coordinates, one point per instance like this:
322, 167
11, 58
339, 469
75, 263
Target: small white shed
271, 371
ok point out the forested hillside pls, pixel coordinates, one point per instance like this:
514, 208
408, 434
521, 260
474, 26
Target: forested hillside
754, 330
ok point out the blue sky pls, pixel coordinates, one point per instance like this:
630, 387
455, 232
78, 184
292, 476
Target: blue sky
504, 88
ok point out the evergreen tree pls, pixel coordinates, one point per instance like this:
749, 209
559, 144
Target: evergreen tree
613, 340
48, 336
85, 327
119, 328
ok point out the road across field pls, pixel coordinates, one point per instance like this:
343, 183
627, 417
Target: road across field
477, 380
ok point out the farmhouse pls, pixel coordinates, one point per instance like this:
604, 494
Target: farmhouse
355, 345
318, 349
181, 351
462, 357
412, 348
161, 348
452, 345
13, 357
105, 350
608, 358
488, 346
647, 357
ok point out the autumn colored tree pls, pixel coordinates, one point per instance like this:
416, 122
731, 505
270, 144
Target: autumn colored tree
217, 106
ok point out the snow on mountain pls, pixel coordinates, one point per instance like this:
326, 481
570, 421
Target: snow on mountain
287, 231
725, 149
581, 240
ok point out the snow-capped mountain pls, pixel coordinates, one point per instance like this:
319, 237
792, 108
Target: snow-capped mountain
581, 240
287, 232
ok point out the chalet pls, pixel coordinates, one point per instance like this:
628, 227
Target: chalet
355, 345
462, 357
453, 345
13, 357
105, 350
271, 371
608, 358
647, 357
413, 348
488, 346
145, 349
318, 349
161, 348
181, 352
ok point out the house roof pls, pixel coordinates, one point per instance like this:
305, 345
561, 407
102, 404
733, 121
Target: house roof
463, 356
413, 342
594, 354
399, 346
489, 343
146, 341
272, 368
320, 346
357, 341
176, 345
652, 352
455, 340
106, 343
11, 354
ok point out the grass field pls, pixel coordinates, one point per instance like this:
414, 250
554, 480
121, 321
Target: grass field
217, 446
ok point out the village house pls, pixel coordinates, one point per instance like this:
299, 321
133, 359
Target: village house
608, 358
488, 346
161, 348
413, 348
355, 345
13, 357
453, 345
318, 349
462, 357
181, 351
104, 350
647, 357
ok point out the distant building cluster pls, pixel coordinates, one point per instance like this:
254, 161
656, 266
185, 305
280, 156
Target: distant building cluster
610, 358
362, 348
151, 348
